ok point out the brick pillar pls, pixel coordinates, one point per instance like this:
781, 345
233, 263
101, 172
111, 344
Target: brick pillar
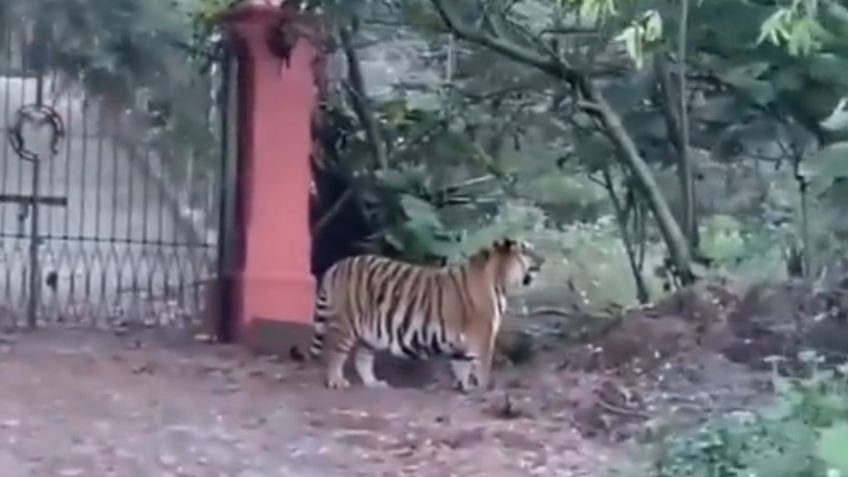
275, 287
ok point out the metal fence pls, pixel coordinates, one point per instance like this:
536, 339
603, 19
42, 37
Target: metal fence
128, 206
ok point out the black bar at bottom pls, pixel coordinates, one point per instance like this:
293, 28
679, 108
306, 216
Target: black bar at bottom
28, 199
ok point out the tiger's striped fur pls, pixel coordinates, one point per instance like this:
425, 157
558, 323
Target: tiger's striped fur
371, 303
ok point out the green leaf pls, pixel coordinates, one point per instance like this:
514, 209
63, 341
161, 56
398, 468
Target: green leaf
721, 109
632, 39
761, 92
838, 118
594, 152
828, 164
630, 95
746, 73
829, 68
393, 179
428, 101
394, 111
653, 25
790, 79
776, 27
832, 446
420, 212
646, 125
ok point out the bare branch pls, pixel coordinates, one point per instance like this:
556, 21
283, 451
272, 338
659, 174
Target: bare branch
569, 31
360, 102
590, 106
333, 211
669, 112
621, 212
552, 66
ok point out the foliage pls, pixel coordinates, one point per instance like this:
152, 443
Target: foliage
505, 94
485, 108
139, 66
797, 26
743, 443
113, 47
804, 433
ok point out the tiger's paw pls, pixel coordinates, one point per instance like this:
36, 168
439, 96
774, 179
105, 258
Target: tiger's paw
467, 386
486, 385
463, 387
338, 383
377, 384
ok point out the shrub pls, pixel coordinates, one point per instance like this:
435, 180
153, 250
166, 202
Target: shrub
803, 433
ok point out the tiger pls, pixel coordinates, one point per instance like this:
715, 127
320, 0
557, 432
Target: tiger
373, 303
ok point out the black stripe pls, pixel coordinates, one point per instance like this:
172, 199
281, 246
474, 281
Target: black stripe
386, 304
443, 323
396, 279
408, 317
423, 304
433, 312
352, 285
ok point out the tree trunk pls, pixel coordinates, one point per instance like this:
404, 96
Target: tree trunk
687, 179
628, 154
678, 128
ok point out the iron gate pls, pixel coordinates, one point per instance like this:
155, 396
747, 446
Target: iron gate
129, 207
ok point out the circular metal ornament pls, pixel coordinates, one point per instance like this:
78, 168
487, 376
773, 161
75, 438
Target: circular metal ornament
38, 116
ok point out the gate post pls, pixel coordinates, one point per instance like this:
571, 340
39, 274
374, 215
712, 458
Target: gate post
275, 289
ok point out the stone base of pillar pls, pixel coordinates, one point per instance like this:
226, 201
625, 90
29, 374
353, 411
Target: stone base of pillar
283, 339
277, 313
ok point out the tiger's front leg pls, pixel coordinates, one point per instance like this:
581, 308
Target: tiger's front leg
461, 370
462, 364
478, 369
483, 370
484, 359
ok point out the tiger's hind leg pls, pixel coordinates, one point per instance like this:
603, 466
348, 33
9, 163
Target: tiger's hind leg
365, 368
335, 370
340, 346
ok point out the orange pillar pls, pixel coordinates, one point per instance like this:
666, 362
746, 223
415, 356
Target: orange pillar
275, 287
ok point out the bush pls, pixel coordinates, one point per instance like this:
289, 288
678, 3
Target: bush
804, 433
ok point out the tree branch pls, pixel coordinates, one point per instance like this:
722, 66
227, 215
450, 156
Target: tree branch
642, 292
672, 122
630, 156
552, 66
359, 101
569, 31
678, 135
333, 211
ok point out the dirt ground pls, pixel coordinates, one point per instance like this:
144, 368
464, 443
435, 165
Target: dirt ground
82, 403
86, 404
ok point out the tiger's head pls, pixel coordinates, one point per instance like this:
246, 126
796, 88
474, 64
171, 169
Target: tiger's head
516, 262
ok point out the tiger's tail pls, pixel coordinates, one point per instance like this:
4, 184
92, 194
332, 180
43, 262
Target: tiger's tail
322, 310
